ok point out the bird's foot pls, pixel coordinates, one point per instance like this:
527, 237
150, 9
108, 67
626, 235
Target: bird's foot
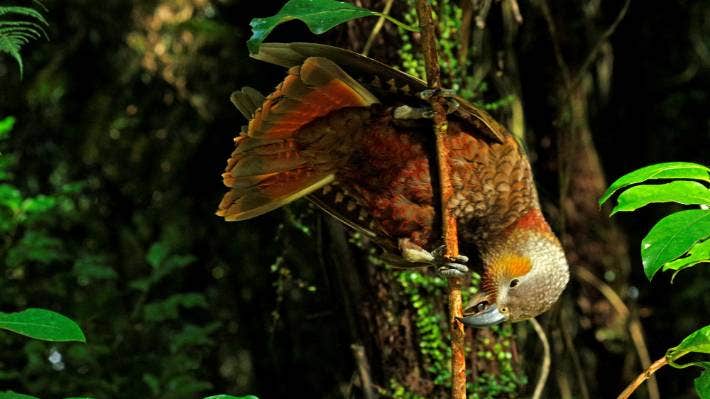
447, 267
405, 112
429, 93
450, 267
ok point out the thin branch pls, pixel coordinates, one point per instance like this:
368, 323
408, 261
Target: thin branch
552, 28
646, 374
635, 328
448, 223
545, 368
363, 368
574, 355
483, 14
600, 42
516, 11
378, 26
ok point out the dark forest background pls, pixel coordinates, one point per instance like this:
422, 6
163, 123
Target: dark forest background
123, 126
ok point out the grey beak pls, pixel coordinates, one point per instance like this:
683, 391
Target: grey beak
489, 317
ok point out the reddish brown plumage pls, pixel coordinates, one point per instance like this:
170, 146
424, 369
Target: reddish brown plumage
333, 137
319, 124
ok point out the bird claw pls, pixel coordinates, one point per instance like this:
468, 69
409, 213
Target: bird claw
446, 266
449, 267
429, 93
406, 112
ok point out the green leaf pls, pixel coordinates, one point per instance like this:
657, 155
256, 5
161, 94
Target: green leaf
42, 324
319, 15
169, 308
153, 383
38, 204
162, 263
702, 385
697, 342
192, 335
672, 237
10, 197
668, 170
13, 395
156, 254
698, 253
6, 125
36, 246
682, 191
231, 397
90, 268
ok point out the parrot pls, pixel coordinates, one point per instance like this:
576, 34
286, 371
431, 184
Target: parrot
354, 136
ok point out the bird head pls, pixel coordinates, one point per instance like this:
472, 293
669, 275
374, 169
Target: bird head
525, 271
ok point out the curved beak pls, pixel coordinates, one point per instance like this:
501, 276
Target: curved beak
488, 317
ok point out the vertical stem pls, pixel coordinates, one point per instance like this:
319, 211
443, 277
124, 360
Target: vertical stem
448, 222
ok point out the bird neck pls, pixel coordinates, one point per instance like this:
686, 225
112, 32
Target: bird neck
513, 238
531, 221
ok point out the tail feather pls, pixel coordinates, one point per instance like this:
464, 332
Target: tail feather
271, 166
247, 101
310, 91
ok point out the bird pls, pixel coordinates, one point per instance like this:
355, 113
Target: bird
354, 136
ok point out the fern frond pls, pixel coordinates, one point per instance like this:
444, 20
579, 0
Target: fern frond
15, 33
23, 11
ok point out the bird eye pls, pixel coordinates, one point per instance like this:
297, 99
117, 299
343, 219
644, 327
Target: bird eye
514, 283
480, 306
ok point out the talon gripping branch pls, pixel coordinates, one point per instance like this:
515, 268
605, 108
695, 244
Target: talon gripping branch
329, 132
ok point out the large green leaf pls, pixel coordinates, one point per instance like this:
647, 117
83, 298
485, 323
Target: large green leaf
319, 15
697, 342
702, 385
668, 170
672, 237
682, 191
13, 395
698, 253
42, 324
231, 397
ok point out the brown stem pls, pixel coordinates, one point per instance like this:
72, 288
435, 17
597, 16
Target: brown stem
635, 328
458, 362
378, 26
598, 45
546, 360
646, 374
363, 368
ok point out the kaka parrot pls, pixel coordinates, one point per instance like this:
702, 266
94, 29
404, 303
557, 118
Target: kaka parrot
351, 134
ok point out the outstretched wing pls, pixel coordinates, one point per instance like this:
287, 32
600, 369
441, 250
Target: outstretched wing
376, 76
270, 166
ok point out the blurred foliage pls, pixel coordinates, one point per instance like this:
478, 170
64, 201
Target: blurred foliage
79, 234
33, 247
